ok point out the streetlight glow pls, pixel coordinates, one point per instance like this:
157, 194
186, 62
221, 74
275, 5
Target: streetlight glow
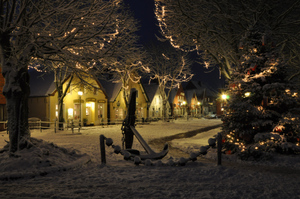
224, 96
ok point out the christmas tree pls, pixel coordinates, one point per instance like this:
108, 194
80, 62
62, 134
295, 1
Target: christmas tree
261, 112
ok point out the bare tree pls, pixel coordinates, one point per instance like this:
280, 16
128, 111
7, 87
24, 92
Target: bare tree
214, 28
128, 64
111, 62
169, 67
83, 32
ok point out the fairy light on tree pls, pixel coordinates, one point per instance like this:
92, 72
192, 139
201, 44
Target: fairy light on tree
262, 106
169, 67
52, 31
214, 28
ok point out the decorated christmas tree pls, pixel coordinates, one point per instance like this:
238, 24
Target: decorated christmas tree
262, 109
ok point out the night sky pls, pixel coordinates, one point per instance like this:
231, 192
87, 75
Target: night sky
143, 11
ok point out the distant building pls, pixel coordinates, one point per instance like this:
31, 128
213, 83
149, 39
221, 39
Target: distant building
117, 108
155, 105
178, 102
206, 97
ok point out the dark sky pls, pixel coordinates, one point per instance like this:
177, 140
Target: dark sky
144, 12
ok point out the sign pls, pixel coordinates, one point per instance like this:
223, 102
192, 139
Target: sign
77, 101
101, 101
90, 100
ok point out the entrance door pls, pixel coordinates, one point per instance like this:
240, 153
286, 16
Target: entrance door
101, 113
90, 113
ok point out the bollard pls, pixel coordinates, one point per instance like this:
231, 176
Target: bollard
55, 126
219, 148
72, 126
102, 149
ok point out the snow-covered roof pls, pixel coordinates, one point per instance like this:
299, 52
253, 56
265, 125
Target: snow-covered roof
111, 89
150, 90
202, 89
189, 95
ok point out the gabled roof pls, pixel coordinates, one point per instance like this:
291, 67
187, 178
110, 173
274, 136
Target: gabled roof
41, 83
189, 94
201, 89
172, 95
111, 89
150, 90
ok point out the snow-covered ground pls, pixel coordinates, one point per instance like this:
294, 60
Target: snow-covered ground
69, 166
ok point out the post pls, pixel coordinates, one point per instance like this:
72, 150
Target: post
55, 126
80, 93
102, 149
219, 148
40, 125
72, 126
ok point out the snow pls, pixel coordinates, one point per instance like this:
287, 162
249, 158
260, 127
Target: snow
68, 165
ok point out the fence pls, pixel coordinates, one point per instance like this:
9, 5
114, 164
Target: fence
36, 123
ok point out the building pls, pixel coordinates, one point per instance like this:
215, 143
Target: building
178, 102
205, 97
155, 105
117, 107
85, 104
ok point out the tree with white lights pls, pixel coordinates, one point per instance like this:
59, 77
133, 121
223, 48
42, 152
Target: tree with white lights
82, 32
214, 28
262, 112
128, 63
169, 67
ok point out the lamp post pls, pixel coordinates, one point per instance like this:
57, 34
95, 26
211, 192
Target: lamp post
224, 97
80, 94
199, 108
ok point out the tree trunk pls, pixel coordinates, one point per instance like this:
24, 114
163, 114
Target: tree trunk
60, 107
16, 91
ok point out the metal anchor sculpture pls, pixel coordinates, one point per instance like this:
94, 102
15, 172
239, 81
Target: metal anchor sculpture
129, 132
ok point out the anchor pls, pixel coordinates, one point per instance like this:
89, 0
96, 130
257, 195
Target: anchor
129, 131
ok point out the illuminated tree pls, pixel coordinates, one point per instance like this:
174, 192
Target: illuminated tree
214, 28
128, 64
262, 112
83, 32
119, 47
169, 67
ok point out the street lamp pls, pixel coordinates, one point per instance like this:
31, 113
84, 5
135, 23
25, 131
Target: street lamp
80, 93
224, 96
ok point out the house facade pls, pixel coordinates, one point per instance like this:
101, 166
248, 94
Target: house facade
204, 98
155, 105
84, 104
194, 105
178, 102
117, 108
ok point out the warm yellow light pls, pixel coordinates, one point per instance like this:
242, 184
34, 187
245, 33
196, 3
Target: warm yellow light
247, 94
224, 96
70, 113
88, 105
80, 93
184, 102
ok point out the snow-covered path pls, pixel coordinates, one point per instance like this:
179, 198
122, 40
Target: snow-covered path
121, 179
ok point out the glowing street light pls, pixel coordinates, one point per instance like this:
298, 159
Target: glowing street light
247, 94
224, 96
